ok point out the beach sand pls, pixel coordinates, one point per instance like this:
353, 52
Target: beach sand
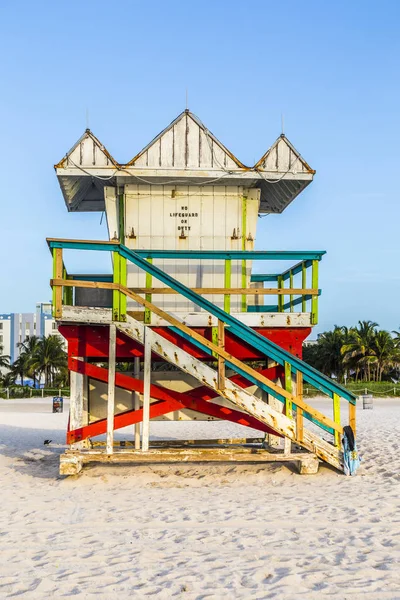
196, 531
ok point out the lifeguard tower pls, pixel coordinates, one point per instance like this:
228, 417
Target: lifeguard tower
202, 326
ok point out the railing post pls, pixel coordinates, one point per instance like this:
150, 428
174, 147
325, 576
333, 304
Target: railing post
146, 389
57, 289
116, 293
149, 279
281, 297
221, 361
299, 411
227, 284
288, 388
314, 299
291, 286
352, 417
111, 389
136, 374
123, 282
304, 286
336, 417
244, 234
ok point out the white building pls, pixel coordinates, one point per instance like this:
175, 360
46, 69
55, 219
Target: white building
15, 328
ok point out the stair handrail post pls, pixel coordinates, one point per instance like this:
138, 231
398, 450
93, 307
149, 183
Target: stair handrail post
299, 411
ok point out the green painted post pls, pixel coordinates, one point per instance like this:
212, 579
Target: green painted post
304, 286
281, 297
244, 234
227, 284
53, 293
121, 211
149, 280
314, 285
288, 388
336, 417
291, 286
122, 280
116, 293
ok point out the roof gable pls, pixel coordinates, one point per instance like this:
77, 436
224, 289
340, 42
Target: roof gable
87, 152
282, 157
186, 144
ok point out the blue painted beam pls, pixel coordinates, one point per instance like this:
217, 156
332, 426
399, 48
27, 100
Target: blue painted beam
195, 254
260, 277
296, 269
299, 300
262, 308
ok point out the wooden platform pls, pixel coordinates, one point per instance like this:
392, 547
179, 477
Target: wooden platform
72, 461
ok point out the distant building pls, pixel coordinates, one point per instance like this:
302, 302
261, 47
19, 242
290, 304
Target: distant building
18, 327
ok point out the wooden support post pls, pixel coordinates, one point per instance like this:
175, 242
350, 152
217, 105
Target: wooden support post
123, 281
147, 312
146, 389
336, 417
121, 216
111, 389
227, 284
221, 361
244, 234
303, 285
352, 417
57, 290
85, 406
116, 293
76, 404
288, 388
314, 299
291, 286
299, 411
281, 297
136, 374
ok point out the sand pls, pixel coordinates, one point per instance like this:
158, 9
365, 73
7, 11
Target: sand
196, 531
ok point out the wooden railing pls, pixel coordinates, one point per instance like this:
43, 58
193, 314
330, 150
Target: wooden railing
290, 394
304, 295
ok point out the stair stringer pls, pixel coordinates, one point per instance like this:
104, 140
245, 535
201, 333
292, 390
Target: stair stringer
243, 399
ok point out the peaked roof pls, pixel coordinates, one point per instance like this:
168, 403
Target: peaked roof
186, 142
184, 152
88, 149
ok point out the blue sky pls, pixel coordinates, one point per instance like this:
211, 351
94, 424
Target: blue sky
332, 69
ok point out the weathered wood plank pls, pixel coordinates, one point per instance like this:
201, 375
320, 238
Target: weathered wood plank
111, 389
166, 291
147, 333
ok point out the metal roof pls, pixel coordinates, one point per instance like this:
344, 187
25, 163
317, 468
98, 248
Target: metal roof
184, 153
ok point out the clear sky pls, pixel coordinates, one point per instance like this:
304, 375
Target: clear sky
332, 69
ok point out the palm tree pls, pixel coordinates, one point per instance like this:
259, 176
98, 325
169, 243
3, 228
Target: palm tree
4, 359
385, 351
49, 358
358, 352
396, 338
28, 349
8, 379
328, 357
20, 366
